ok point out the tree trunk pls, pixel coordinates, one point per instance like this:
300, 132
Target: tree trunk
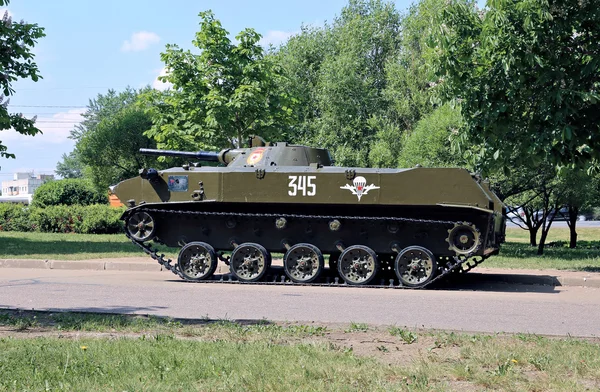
540, 250
532, 236
545, 229
573, 212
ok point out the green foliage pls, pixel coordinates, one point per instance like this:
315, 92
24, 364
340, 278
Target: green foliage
92, 219
108, 140
338, 74
357, 327
15, 217
57, 218
98, 219
219, 96
16, 62
429, 143
582, 190
70, 166
110, 151
526, 74
362, 81
68, 192
407, 336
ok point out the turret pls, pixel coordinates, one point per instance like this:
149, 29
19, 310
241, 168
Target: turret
278, 154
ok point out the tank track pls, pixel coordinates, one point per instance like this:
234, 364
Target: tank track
458, 264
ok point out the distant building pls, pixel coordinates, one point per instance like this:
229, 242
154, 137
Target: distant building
21, 188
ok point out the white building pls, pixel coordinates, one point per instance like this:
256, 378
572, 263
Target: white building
21, 188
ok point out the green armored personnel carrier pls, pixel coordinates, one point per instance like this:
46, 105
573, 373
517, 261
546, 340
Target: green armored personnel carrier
378, 227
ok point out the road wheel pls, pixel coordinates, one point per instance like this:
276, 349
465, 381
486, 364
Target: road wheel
197, 261
141, 226
303, 263
249, 262
358, 265
415, 266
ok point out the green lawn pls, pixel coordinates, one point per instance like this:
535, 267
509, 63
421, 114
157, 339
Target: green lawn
516, 253
59, 246
38, 351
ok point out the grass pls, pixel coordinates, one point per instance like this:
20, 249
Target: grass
164, 363
152, 353
516, 253
59, 246
357, 327
409, 337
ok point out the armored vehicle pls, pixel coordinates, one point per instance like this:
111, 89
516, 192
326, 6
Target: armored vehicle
378, 227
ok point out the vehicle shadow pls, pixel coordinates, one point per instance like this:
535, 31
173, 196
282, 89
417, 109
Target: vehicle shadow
118, 317
505, 282
474, 281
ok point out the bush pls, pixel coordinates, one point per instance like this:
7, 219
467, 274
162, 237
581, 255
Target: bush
68, 192
58, 219
94, 219
15, 217
100, 219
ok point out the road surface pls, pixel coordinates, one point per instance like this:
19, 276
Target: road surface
477, 307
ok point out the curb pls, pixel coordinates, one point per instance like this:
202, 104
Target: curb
541, 278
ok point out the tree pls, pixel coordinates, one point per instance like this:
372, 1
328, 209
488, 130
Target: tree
429, 143
219, 96
526, 75
17, 40
70, 166
362, 81
338, 74
539, 193
107, 142
110, 151
582, 192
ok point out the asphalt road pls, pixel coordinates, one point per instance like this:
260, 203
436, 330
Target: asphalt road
478, 307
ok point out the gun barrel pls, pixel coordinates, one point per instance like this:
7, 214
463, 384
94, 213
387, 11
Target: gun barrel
207, 156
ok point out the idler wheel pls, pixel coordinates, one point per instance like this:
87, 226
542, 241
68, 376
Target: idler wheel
197, 261
415, 266
303, 263
249, 262
464, 239
140, 226
358, 264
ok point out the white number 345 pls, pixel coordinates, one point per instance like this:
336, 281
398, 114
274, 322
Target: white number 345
302, 185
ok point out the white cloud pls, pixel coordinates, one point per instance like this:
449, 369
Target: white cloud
159, 85
275, 38
56, 130
139, 41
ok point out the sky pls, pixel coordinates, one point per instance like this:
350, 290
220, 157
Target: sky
92, 46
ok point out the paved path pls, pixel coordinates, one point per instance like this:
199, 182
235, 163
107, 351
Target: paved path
473, 305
